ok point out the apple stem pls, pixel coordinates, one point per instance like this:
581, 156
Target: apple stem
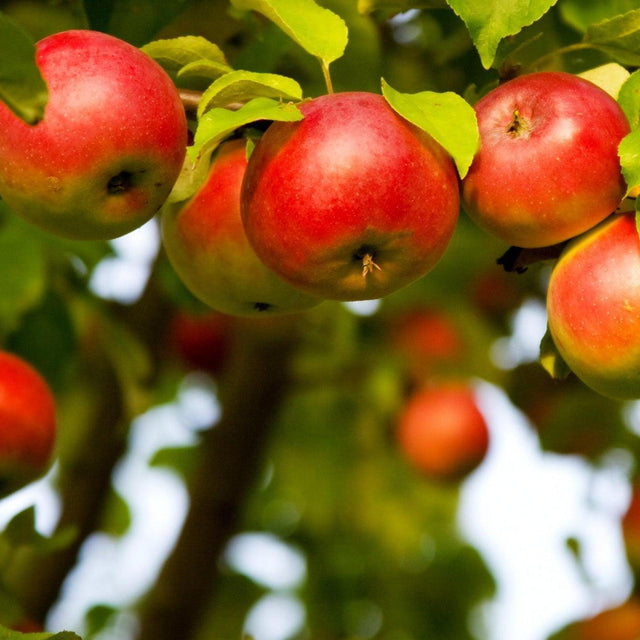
327, 76
368, 265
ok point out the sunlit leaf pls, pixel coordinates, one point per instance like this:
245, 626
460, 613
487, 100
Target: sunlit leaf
317, 30
629, 152
175, 53
445, 116
204, 69
610, 77
619, 37
550, 358
581, 14
489, 21
241, 86
22, 87
629, 99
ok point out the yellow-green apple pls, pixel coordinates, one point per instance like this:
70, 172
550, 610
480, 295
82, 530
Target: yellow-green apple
109, 147
27, 423
593, 307
442, 432
206, 243
548, 166
352, 202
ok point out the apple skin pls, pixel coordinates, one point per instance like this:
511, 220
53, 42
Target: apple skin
548, 167
351, 182
630, 525
593, 307
109, 148
206, 243
27, 423
619, 623
441, 431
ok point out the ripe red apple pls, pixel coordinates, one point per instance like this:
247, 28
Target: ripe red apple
201, 340
593, 307
109, 148
548, 167
352, 202
442, 432
27, 423
205, 241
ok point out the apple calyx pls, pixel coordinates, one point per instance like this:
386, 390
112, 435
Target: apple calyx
368, 265
518, 126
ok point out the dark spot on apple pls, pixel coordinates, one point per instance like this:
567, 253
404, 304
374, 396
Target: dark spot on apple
120, 183
262, 306
364, 250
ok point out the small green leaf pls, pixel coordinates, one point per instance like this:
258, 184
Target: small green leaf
610, 77
9, 634
240, 86
446, 117
22, 87
317, 30
175, 53
550, 358
204, 69
629, 99
580, 14
629, 152
489, 21
618, 37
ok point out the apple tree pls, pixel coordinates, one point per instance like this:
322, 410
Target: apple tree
289, 247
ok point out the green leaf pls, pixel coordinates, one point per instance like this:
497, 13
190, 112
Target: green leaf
629, 152
489, 21
216, 125
398, 6
204, 69
551, 360
21, 530
9, 634
618, 37
240, 86
180, 459
318, 31
22, 87
175, 53
580, 14
446, 117
629, 99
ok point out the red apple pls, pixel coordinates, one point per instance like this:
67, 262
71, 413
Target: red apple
352, 202
27, 423
620, 623
548, 167
630, 525
109, 148
203, 340
593, 307
207, 246
427, 340
442, 432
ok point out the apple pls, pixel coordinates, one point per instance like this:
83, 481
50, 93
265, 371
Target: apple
593, 307
442, 432
27, 423
630, 525
619, 623
201, 340
352, 202
426, 339
206, 243
548, 167
109, 148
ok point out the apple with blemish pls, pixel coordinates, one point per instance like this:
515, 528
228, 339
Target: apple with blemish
352, 202
206, 243
548, 166
593, 307
109, 147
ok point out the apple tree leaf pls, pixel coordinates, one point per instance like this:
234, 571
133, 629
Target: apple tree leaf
629, 152
22, 87
489, 21
203, 69
610, 77
239, 86
550, 358
9, 634
447, 117
174, 54
629, 99
317, 30
213, 127
618, 37
581, 14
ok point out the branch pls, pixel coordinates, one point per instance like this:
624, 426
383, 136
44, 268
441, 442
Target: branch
518, 259
231, 457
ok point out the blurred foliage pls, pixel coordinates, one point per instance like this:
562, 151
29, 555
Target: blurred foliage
385, 558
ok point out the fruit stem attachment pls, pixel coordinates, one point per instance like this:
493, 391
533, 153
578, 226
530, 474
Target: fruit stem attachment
327, 76
368, 265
